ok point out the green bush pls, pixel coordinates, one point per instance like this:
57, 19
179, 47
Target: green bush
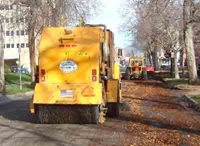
12, 83
6, 68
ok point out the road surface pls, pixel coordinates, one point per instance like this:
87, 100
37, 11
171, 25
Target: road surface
151, 114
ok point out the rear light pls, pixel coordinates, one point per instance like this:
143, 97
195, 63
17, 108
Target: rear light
94, 75
94, 72
42, 72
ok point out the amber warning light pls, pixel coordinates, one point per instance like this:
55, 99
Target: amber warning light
67, 46
42, 73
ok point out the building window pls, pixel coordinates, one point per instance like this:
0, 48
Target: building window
17, 45
22, 45
7, 45
6, 7
2, 7
17, 32
12, 45
11, 20
3, 20
11, 7
21, 20
22, 32
12, 33
27, 45
26, 19
26, 32
7, 33
7, 20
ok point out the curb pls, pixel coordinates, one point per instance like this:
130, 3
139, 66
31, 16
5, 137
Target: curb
20, 94
192, 103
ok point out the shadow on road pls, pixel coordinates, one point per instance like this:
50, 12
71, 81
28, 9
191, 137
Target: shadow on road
156, 123
17, 110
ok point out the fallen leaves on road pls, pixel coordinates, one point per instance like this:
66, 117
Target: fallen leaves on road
157, 116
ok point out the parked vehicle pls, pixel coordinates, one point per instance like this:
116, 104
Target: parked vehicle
16, 69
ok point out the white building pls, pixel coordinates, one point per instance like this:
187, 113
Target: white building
15, 36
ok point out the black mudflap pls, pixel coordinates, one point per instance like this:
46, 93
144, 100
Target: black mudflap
73, 114
113, 110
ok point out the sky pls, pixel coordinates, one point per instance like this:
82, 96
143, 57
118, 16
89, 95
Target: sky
111, 17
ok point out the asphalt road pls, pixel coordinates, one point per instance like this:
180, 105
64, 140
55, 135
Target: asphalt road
150, 114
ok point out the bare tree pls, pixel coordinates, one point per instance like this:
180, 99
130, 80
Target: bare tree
50, 13
189, 18
2, 79
155, 28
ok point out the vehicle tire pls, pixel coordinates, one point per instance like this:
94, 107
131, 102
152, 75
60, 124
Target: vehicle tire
144, 75
95, 115
113, 110
127, 75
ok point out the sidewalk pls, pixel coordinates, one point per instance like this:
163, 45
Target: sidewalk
189, 93
180, 84
190, 90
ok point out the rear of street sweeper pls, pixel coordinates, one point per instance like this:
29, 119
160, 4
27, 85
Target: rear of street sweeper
78, 75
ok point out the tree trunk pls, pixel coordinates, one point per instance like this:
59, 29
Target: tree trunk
149, 56
176, 70
176, 57
32, 53
183, 62
155, 59
188, 38
2, 78
172, 64
54, 17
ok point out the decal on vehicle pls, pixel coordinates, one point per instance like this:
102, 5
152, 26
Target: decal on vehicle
68, 66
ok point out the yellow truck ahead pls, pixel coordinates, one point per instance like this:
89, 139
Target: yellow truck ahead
78, 76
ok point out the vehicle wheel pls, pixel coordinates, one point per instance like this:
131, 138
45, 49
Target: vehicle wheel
113, 110
95, 115
144, 75
127, 75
